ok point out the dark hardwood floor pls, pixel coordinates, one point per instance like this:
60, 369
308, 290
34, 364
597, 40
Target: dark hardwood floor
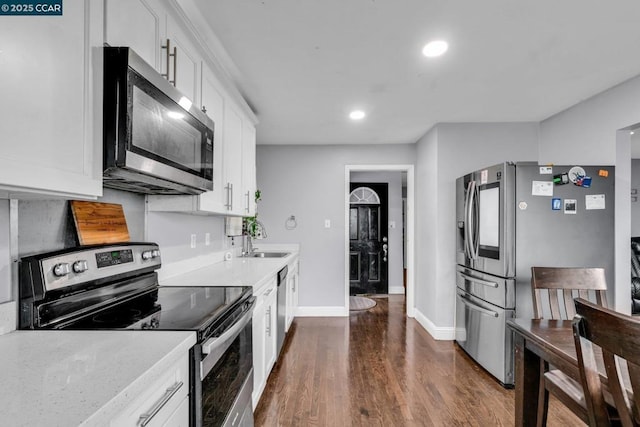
380, 368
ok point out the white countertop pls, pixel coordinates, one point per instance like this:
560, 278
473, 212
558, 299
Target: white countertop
238, 271
70, 378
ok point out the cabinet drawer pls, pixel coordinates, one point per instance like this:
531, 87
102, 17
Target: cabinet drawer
159, 403
265, 291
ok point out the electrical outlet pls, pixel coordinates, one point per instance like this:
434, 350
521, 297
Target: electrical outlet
193, 241
207, 239
327, 223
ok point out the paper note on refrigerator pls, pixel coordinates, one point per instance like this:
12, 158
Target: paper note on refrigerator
541, 188
594, 201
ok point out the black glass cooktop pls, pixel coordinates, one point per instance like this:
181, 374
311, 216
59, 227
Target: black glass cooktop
168, 308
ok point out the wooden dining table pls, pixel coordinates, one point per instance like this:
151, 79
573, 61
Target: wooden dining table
536, 340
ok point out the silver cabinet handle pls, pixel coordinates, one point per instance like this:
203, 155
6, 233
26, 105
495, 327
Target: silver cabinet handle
168, 63
269, 322
477, 308
248, 202
479, 281
229, 189
148, 416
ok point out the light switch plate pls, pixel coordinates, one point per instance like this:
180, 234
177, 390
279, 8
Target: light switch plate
327, 223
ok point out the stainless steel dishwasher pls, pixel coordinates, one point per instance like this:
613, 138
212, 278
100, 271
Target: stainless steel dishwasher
282, 306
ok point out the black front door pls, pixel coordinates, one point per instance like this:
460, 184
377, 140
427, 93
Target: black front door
368, 245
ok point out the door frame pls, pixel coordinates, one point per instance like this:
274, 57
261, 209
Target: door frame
409, 232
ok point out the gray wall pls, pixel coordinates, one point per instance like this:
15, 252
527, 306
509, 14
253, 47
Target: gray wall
172, 231
308, 182
445, 153
394, 181
586, 133
589, 133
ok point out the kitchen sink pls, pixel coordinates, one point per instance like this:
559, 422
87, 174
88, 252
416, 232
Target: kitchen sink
269, 254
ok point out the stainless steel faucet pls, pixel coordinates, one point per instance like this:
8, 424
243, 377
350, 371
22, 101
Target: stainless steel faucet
247, 245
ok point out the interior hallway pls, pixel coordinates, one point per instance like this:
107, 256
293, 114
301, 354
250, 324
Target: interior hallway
380, 368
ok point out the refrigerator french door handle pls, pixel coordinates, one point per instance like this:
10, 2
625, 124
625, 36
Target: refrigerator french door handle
477, 308
479, 281
471, 221
467, 216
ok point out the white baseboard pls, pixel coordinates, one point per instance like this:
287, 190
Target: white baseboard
322, 312
438, 333
396, 290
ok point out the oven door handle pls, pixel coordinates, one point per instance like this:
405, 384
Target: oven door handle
215, 347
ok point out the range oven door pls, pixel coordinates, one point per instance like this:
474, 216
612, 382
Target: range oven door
223, 375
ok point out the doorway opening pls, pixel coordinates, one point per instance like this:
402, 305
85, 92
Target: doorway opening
379, 241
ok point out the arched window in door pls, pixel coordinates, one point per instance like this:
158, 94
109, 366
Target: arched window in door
364, 196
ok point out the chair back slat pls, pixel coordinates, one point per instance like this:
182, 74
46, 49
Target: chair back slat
569, 307
553, 303
552, 280
618, 336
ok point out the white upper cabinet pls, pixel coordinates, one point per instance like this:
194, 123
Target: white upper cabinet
159, 32
51, 103
183, 61
213, 105
138, 24
232, 169
249, 168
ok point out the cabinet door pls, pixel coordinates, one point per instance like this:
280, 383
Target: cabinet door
137, 24
271, 332
248, 168
258, 329
213, 106
184, 67
233, 159
51, 102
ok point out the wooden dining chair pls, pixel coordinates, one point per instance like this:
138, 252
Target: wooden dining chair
554, 290
618, 336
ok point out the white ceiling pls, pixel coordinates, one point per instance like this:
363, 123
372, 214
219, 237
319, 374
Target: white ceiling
304, 64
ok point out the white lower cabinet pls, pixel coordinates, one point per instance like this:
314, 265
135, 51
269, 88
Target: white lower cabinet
164, 403
292, 293
180, 417
265, 319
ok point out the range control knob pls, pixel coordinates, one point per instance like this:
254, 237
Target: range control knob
147, 255
155, 253
62, 269
80, 266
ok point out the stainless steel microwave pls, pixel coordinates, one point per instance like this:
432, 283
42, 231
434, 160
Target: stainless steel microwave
155, 140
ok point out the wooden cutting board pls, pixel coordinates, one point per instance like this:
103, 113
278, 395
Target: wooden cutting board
98, 223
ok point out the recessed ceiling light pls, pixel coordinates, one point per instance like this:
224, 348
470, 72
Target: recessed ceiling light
357, 115
435, 48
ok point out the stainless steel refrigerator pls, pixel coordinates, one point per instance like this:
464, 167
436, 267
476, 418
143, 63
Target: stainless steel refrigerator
510, 217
